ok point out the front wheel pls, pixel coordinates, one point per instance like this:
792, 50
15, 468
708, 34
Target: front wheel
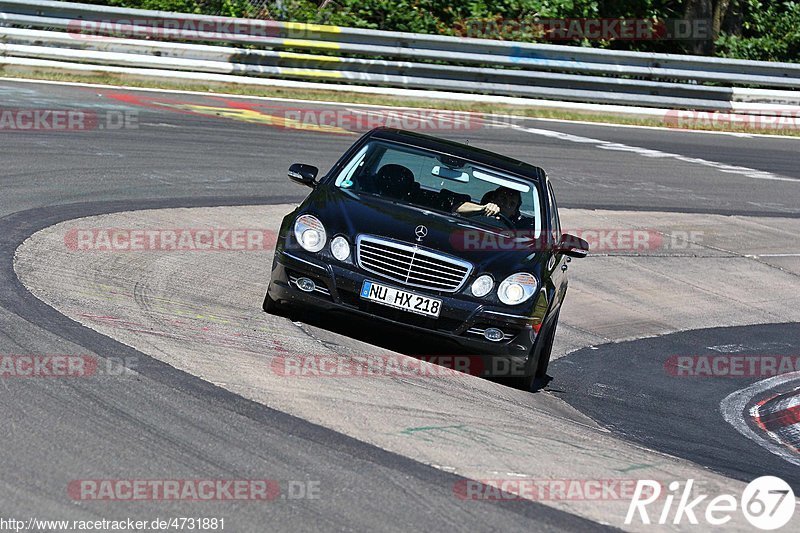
537, 379
270, 306
547, 350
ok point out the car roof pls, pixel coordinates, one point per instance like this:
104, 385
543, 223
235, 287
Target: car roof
462, 151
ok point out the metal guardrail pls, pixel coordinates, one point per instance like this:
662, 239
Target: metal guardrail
258, 48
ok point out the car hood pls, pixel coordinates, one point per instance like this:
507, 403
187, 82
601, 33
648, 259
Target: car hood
345, 212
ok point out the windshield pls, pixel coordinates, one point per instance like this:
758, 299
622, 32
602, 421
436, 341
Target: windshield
443, 183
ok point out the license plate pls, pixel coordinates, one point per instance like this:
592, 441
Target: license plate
407, 301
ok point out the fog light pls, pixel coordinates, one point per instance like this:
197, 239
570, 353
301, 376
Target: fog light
305, 285
493, 334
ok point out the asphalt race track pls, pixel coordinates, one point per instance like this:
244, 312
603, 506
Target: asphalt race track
625, 387
162, 416
381, 452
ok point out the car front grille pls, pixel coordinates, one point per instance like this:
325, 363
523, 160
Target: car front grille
411, 265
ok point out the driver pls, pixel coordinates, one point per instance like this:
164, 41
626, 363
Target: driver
502, 201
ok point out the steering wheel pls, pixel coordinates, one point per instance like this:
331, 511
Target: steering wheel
501, 217
504, 219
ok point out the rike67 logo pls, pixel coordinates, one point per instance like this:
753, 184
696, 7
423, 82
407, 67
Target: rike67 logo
767, 503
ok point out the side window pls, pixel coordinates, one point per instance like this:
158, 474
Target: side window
555, 222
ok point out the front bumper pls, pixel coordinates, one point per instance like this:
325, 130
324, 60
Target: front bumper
460, 321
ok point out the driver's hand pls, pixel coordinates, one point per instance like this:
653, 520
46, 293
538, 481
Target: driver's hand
491, 209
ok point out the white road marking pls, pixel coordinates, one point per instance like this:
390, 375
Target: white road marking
732, 409
658, 154
738, 348
159, 125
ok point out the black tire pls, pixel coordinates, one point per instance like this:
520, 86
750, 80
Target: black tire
537, 379
270, 306
547, 350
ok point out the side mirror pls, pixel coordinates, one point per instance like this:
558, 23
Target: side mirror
572, 246
305, 174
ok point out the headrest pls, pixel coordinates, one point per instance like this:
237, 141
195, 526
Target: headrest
395, 180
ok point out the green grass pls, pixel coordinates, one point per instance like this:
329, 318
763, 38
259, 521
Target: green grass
359, 98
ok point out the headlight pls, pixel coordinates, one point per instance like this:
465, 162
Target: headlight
517, 288
482, 286
310, 233
340, 248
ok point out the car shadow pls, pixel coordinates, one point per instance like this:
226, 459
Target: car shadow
392, 337
387, 336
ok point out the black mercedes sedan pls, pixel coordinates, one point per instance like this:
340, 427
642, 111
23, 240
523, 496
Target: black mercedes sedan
432, 235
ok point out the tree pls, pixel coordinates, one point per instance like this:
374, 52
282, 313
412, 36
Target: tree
714, 10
